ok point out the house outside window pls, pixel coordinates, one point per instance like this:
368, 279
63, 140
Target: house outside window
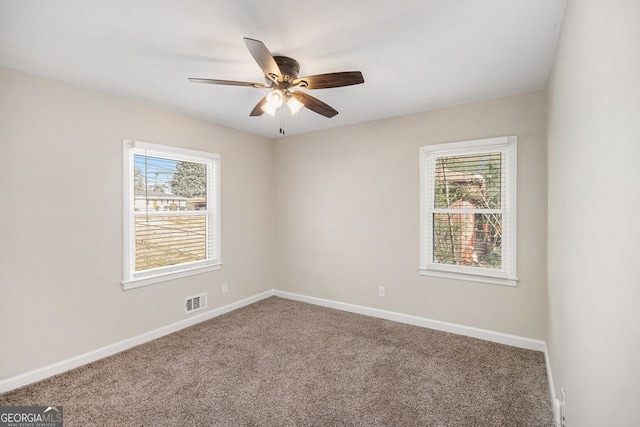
468, 210
171, 213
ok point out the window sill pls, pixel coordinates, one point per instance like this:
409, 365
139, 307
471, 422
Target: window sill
164, 277
468, 277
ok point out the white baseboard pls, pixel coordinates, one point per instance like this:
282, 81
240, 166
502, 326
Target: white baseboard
74, 362
77, 361
483, 334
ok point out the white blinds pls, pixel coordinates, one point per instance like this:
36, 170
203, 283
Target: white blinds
170, 211
164, 240
467, 215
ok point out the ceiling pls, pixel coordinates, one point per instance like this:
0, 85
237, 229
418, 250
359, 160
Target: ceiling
415, 55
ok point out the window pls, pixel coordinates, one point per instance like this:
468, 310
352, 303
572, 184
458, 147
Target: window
468, 210
171, 213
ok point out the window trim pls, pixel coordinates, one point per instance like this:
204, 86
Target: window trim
507, 274
131, 279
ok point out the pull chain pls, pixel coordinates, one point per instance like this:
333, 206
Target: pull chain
282, 121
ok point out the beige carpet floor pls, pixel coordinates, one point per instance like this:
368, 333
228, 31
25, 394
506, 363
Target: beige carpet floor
285, 363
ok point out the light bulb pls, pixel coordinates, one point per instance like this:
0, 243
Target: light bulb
274, 99
294, 104
269, 109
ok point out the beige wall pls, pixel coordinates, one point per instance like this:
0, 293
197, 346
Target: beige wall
594, 208
61, 220
347, 204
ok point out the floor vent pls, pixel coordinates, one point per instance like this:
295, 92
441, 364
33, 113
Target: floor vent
195, 303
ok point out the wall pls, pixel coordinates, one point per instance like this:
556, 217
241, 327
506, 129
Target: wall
348, 216
594, 146
61, 220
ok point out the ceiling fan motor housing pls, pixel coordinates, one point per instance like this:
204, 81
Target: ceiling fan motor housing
289, 68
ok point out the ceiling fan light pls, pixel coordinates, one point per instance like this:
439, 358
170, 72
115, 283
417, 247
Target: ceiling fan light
269, 109
294, 105
274, 99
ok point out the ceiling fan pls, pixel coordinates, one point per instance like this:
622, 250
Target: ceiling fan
281, 76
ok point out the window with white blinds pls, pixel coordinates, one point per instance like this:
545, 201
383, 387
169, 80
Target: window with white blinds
468, 210
172, 220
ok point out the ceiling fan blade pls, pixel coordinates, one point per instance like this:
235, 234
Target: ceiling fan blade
314, 104
325, 81
263, 57
227, 82
257, 110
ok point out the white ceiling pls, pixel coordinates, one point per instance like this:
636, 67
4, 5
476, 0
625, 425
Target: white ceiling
415, 55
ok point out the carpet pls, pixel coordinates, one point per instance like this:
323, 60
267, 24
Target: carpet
286, 363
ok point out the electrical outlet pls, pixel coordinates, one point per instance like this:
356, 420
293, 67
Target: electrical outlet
225, 288
381, 291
